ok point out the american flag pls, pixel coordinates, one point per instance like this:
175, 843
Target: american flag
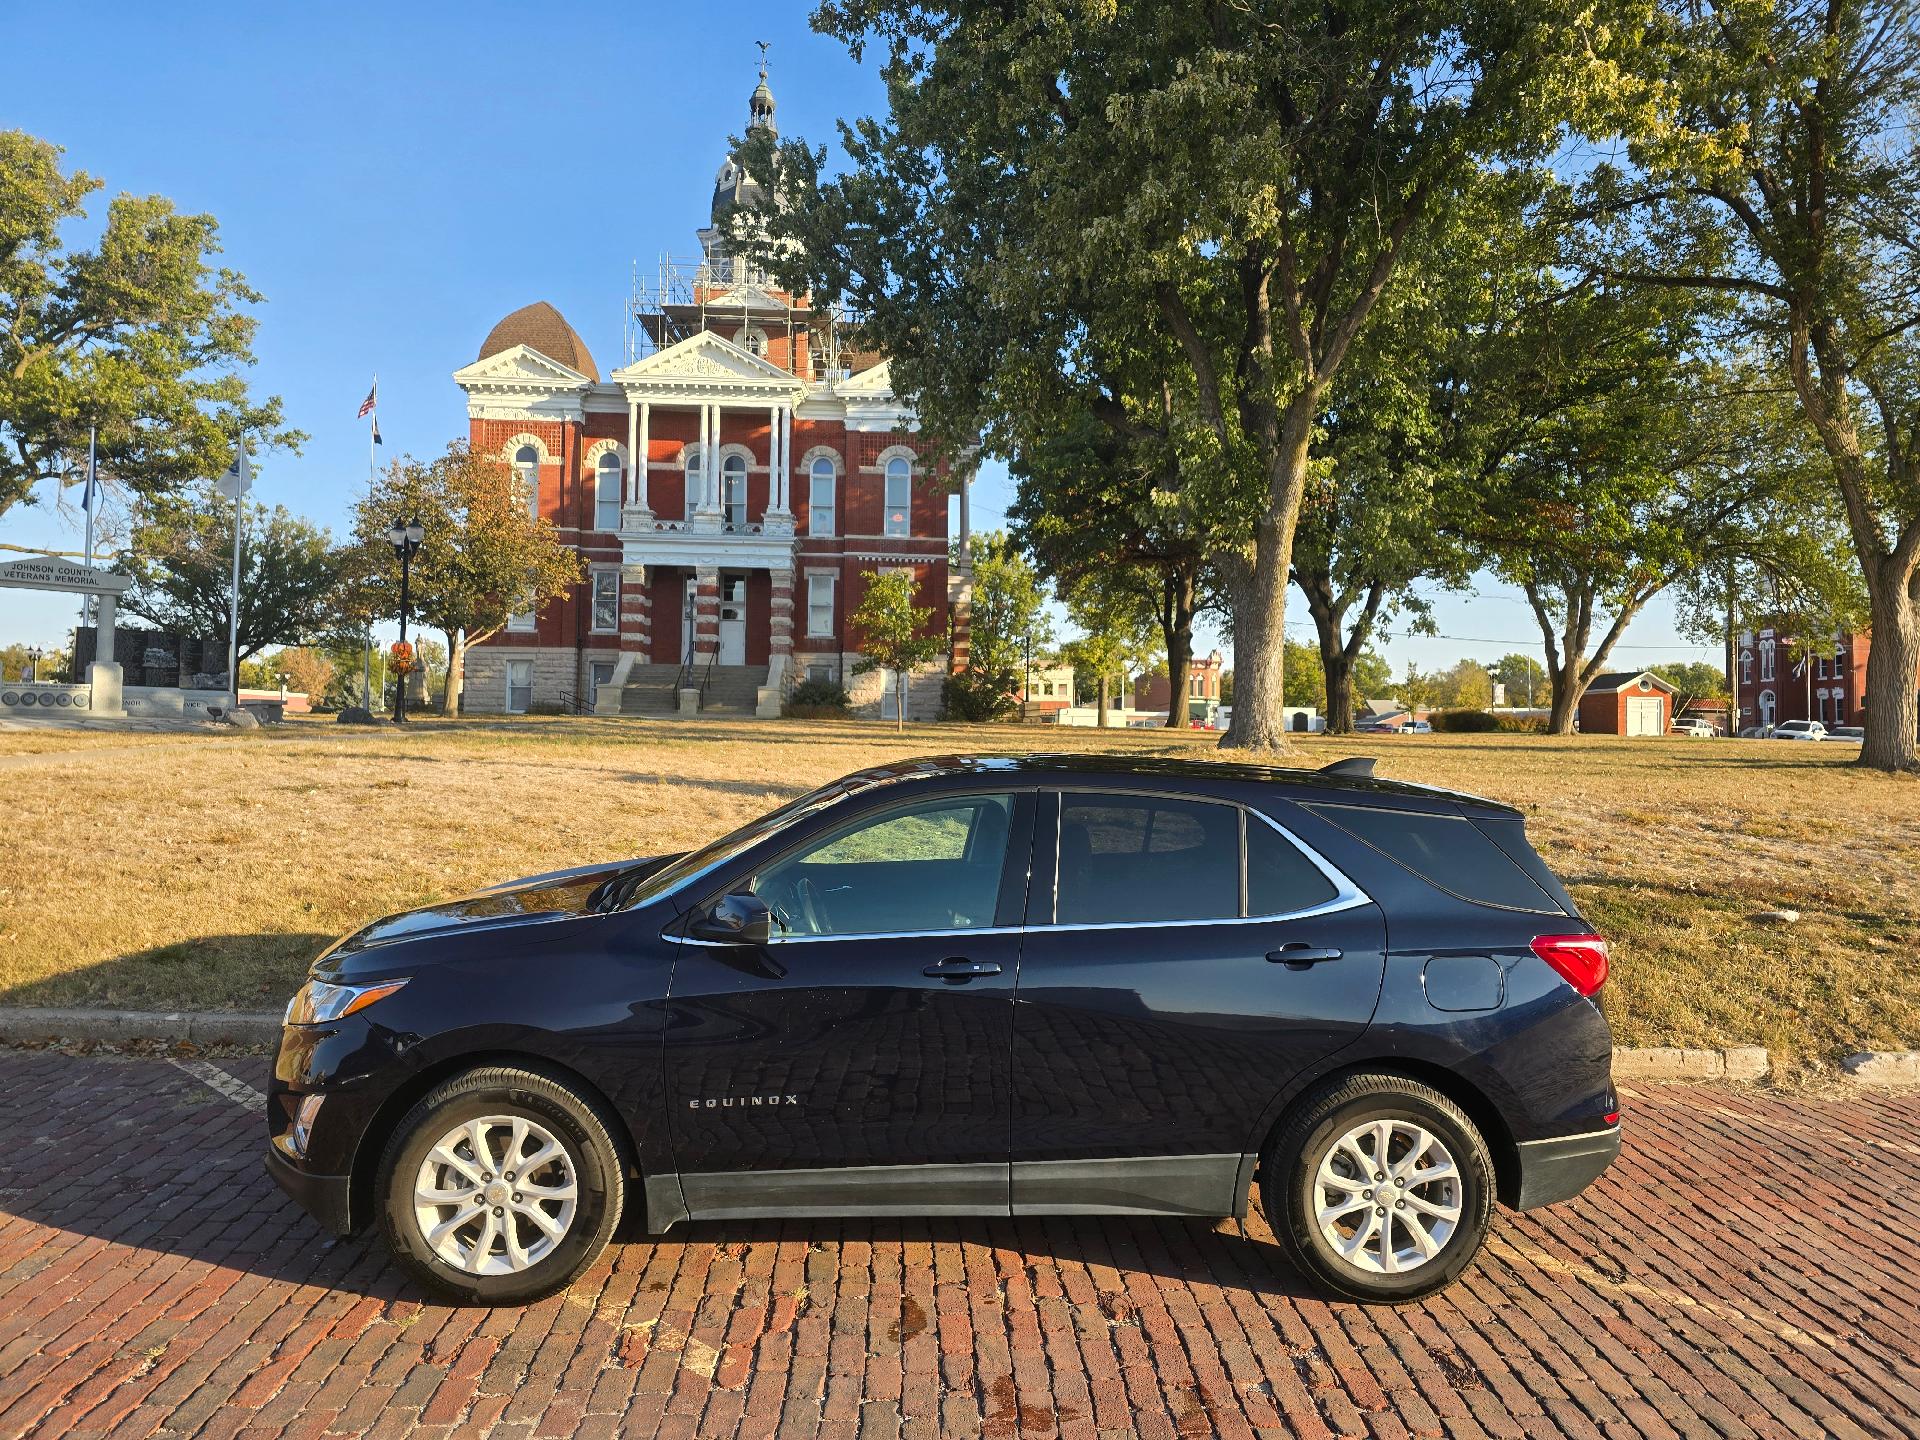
366, 405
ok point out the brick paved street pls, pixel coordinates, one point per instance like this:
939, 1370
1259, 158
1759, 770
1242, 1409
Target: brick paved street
1746, 1270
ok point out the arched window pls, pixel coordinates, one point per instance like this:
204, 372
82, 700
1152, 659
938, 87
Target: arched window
606, 493
1766, 659
1766, 707
899, 498
1746, 667
733, 472
751, 340
526, 464
820, 497
695, 478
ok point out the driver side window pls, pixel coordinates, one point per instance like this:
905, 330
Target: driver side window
931, 866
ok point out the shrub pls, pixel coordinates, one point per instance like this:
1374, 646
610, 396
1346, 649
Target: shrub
1523, 724
1465, 722
816, 700
971, 696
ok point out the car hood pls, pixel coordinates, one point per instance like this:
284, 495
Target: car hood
554, 895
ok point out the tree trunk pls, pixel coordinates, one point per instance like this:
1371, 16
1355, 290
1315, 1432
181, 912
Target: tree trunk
1176, 625
1567, 691
1102, 721
1260, 605
1893, 711
456, 672
899, 701
1339, 693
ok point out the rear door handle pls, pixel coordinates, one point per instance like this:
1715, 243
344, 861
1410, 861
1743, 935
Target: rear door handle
1301, 954
958, 967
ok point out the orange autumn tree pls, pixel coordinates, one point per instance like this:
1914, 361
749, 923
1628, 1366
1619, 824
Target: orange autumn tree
484, 559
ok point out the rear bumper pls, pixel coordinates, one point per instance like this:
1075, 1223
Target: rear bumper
1555, 1170
325, 1197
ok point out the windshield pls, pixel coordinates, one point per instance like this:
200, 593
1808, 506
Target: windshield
717, 852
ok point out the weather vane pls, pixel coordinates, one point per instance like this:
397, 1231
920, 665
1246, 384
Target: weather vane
765, 45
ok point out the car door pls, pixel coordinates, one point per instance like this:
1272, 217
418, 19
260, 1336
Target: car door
858, 1063
1185, 958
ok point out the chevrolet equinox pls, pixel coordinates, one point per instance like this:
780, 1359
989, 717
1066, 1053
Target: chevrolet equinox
1050, 985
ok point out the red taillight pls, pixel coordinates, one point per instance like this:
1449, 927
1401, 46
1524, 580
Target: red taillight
1580, 959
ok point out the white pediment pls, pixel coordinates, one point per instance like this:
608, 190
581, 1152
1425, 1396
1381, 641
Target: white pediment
520, 368
745, 297
873, 383
706, 359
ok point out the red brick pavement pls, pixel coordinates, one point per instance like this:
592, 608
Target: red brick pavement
1747, 1270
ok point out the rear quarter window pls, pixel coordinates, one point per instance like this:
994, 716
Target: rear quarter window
1449, 852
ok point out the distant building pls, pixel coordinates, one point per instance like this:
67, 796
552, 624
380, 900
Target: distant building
1627, 703
1048, 691
727, 488
1775, 680
1153, 692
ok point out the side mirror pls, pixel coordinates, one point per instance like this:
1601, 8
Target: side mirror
739, 919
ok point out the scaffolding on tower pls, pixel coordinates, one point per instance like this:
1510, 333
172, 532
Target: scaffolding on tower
714, 292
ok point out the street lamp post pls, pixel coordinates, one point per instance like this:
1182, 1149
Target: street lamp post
405, 539
33, 666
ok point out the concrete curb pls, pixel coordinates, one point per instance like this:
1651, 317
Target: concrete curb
167, 1027
1670, 1062
1883, 1067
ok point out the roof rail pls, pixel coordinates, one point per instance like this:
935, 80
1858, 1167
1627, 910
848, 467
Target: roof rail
1359, 767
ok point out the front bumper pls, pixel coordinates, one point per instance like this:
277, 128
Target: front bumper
1556, 1170
325, 1197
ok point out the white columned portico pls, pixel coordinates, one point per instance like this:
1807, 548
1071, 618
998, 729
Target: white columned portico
775, 471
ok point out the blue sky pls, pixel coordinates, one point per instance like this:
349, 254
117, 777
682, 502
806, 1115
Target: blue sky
395, 178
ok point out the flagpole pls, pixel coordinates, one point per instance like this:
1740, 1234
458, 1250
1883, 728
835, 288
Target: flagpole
93, 434
233, 604
373, 470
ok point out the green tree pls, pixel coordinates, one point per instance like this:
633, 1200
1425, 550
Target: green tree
53, 664
1306, 682
1220, 190
180, 556
1692, 679
1775, 162
1372, 675
141, 336
892, 632
1116, 638
1009, 619
484, 559
1524, 677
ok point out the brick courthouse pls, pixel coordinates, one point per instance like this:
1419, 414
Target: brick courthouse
726, 489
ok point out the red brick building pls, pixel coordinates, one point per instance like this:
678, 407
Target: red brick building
1777, 680
727, 488
1636, 703
1152, 692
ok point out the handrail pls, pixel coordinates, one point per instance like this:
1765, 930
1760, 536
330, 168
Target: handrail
706, 676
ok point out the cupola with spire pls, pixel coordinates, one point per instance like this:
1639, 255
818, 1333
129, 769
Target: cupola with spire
732, 185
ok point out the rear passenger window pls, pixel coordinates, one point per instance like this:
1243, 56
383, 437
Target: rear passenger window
1448, 851
1280, 880
1133, 860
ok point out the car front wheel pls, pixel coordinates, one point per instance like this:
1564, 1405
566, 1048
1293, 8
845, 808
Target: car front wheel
499, 1187
1379, 1188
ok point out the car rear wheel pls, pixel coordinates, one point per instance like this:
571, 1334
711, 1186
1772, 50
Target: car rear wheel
1379, 1188
499, 1187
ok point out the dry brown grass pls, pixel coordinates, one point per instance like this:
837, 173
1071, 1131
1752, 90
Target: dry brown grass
204, 872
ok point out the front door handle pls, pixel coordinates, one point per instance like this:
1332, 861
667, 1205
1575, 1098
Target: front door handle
1301, 954
958, 967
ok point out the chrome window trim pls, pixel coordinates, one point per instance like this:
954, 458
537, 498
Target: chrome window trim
1347, 896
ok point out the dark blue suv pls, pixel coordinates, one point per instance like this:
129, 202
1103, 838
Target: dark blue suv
975, 986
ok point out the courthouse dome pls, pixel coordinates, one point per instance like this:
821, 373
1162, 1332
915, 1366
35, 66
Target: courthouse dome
541, 327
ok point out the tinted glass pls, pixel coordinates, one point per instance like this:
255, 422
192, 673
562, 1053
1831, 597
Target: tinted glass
934, 866
1444, 850
1511, 837
1281, 880
1130, 860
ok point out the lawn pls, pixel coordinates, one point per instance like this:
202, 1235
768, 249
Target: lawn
204, 872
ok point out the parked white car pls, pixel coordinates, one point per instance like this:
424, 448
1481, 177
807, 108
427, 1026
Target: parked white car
1698, 729
1799, 730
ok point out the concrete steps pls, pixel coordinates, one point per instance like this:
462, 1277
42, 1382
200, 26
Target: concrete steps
651, 690
733, 690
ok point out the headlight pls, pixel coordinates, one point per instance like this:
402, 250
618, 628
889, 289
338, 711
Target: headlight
318, 1003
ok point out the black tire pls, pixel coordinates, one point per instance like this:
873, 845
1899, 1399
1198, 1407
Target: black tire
588, 1149
1307, 1136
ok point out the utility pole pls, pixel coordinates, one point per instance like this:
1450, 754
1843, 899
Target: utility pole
1733, 660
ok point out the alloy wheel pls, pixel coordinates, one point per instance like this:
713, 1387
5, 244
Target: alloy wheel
495, 1195
1387, 1196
